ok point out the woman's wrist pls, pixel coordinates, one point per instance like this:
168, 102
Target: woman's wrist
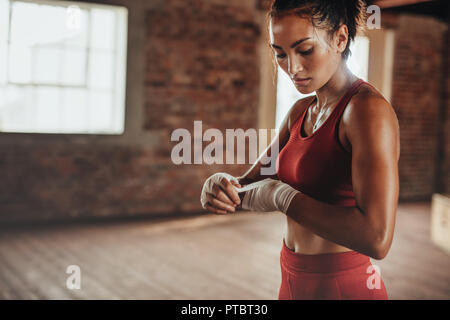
285, 194
293, 205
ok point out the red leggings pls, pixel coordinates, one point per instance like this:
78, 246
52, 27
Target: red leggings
336, 276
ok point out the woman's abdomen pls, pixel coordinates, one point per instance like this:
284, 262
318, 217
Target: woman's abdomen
303, 240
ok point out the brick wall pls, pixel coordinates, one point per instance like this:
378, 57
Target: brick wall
187, 60
444, 170
198, 60
417, 99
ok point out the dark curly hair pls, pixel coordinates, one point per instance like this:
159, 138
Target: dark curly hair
326, 14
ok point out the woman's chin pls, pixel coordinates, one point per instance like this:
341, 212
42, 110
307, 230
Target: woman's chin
305, 87
305, 90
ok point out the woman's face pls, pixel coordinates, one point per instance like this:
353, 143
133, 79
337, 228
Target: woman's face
305, 53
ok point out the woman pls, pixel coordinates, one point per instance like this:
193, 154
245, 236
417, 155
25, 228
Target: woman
337, 172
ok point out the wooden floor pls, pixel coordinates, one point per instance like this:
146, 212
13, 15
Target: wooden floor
207, 257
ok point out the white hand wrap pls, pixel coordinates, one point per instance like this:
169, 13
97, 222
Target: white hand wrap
267, 195
210, 182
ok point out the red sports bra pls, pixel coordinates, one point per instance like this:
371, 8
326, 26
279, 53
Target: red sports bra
318, 165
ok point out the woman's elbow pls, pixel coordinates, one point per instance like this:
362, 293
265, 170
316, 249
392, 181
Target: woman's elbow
379, 253
380, 247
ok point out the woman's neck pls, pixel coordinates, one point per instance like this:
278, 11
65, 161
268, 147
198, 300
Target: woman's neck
335, 87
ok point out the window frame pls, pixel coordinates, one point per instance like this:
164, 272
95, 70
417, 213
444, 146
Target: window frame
118, 86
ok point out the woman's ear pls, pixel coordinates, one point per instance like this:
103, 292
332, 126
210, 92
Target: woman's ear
341, 38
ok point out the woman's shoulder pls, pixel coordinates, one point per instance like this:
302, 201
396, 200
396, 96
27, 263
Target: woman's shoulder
368, 96
369, 111
368, 102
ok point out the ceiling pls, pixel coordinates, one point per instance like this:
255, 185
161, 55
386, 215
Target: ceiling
437, 8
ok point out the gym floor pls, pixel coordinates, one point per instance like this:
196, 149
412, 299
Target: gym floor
205, 257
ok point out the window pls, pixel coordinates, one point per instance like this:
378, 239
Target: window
287, 93
62, 67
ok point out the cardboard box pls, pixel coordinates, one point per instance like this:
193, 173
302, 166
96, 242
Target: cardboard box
440, 221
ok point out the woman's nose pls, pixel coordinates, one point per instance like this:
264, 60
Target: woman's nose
294, 67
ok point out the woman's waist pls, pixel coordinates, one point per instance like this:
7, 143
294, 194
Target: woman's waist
303, 241
304, 251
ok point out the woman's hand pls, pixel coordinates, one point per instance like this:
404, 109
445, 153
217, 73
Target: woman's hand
219, 194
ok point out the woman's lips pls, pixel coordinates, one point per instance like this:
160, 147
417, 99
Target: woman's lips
302, 82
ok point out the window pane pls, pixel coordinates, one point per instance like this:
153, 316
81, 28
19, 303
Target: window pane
19, 63
15, 109
3, 63
76, 27
33, 24
4, 24
48, 105
100, 70
3, 106
24, 23
100, 110
4, 19
47, 65
74, 67
50, 28
75, 110
102, 29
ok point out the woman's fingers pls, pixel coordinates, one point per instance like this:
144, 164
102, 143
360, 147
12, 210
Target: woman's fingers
217, 203
221, 205
240, 195
224, 198
221, 195
236, 184
230, 191
215, 210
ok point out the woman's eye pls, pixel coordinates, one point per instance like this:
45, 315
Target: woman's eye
281, 56
305, 53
